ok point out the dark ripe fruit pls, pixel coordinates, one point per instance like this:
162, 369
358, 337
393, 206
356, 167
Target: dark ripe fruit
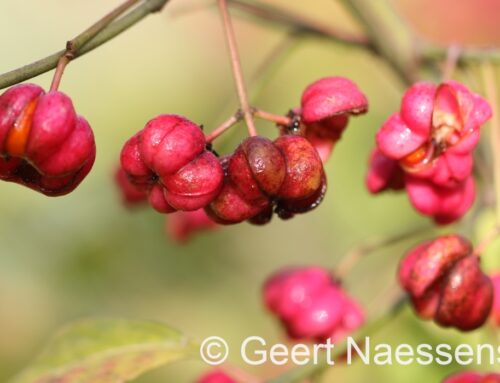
467, 296
169, 159
304, 169
257, 169
230, 207
263, 217
445, 282
435, 260
287, 208
44, 144
261, 174
286, 174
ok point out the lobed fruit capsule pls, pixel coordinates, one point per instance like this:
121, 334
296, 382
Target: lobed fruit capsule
445, 283
286, 174
427, 148
311, 305
168, 158
326, 105
44, 144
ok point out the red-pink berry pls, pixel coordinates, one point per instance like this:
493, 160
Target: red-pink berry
383, 173
445, 282
44, 144
131, 194
304, 169
331, 96
169, 159
326, 105
311, 305
285, 175
257, 169
444, 204
324, 313
230, 206
435, 131
288, 290
430, 141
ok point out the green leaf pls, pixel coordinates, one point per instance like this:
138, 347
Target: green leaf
106, 351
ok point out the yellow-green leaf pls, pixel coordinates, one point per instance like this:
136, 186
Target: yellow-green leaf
106, 351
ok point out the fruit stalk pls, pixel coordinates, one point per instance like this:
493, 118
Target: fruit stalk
83, 38
235, 118
276, 118
236, 67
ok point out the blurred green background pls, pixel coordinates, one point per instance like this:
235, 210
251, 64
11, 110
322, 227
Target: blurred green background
85, 255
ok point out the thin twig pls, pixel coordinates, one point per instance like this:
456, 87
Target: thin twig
452, 57
61, 65
74, 45
300, 22
268, 66
112, 30
403, 56
434, 53
224, 126
236, 66
392, 39
353, 256
276, 118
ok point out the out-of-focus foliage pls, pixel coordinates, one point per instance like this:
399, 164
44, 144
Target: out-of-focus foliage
106, 351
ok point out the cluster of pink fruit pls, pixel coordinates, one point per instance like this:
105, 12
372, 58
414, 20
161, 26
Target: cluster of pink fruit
427, 148
170, 164
442, 277
311, 304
